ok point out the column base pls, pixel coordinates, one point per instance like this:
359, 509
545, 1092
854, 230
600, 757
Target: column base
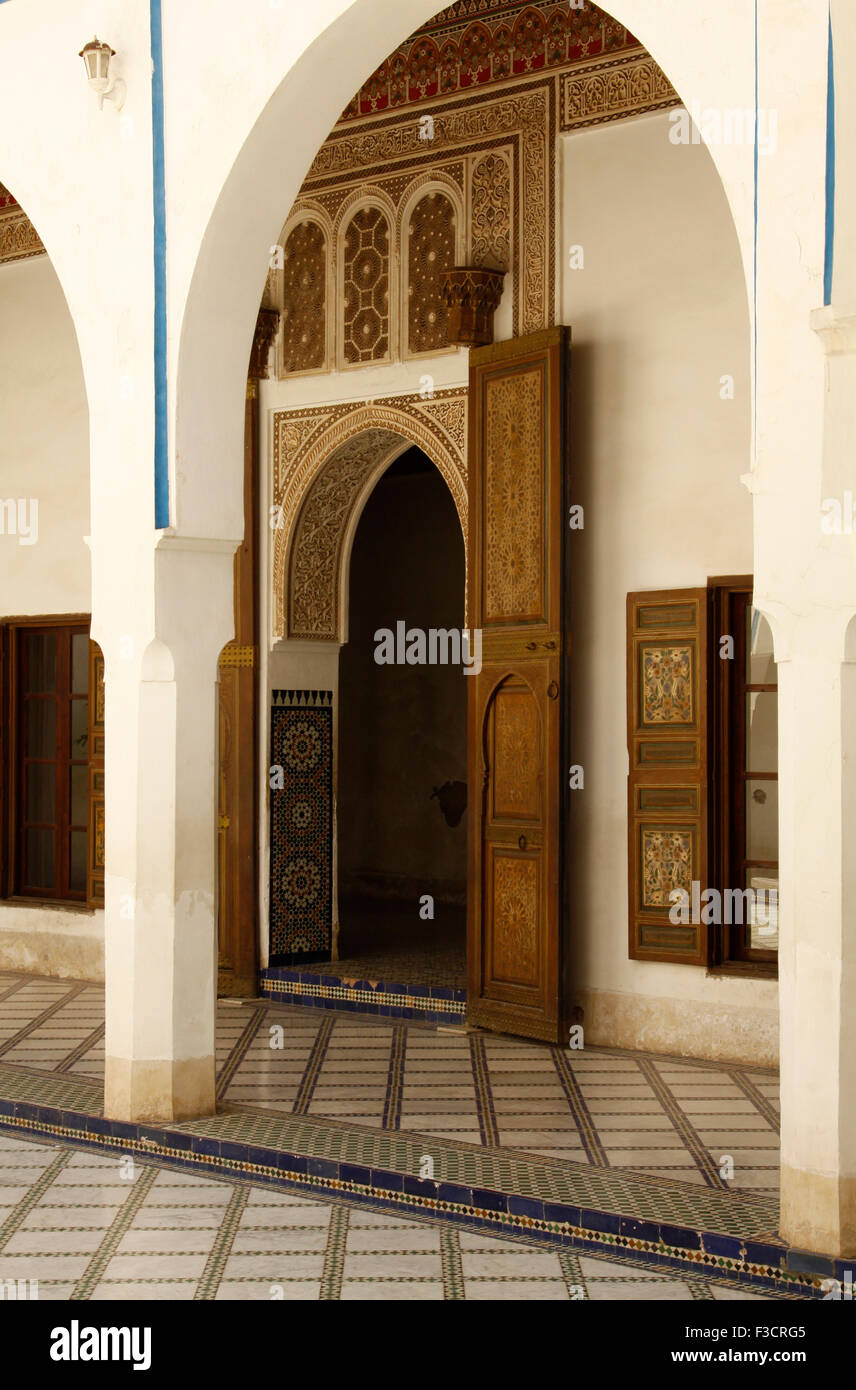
136, 1091
818, 1213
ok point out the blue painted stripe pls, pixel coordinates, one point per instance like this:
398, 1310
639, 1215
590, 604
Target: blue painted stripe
829, 256
159, 204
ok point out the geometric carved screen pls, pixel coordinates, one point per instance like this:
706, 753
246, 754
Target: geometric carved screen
517, 82
304, 299
431, 253
366, 318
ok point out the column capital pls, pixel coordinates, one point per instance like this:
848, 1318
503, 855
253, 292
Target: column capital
836, 329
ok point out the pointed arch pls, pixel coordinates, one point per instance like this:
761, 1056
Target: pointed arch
329, 483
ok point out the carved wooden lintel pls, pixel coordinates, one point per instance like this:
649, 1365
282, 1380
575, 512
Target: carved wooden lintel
472, 294
267, 324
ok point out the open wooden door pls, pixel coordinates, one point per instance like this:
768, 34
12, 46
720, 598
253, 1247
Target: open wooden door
237, 804
517, 713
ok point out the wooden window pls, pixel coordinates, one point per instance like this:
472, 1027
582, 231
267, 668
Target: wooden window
54, 750
667, 723
745, 847
703, 807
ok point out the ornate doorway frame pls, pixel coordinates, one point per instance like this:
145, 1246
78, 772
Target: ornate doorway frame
326, 462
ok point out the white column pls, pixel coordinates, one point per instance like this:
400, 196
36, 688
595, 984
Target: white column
817, 698
160, 895
817, 967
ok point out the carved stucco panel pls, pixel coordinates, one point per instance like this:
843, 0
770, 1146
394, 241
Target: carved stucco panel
323, 460
320, 531
527, 113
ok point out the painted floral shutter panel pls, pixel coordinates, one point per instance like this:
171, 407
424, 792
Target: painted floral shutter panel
667, 812
95, 867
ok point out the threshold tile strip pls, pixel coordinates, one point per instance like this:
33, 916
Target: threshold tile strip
431, 1003
452, 1265
209, 1281
41, 1018
313, 1067
395, 1080
488, 1127
758, 1099
586, 1127
685, 1228
572, 1273
333, 1271
239, 1052
77, 1053
681, 1123
121, 1223
33, 1195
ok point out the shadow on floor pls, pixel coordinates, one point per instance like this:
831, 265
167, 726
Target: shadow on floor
386, 939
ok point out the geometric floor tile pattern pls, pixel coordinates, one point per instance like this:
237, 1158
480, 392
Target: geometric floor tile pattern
676, 1119
93, 1227
640, 1196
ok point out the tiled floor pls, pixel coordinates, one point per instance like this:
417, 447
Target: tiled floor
87, 1226
370, 938
676, 1119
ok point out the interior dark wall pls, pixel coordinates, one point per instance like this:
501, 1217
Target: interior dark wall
402, 729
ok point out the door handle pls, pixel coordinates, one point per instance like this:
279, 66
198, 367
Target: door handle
553, 690
522, 841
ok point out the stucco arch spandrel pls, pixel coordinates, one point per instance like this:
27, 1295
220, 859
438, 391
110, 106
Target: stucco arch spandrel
323, 469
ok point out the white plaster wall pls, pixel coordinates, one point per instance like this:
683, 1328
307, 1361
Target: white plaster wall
658, 315
44, 444
44, 454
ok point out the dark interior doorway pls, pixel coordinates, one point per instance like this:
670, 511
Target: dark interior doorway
402, 741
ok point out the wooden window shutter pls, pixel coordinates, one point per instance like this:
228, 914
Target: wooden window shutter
95, 867
667, 811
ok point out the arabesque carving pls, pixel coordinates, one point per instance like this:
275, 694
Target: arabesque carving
323, 460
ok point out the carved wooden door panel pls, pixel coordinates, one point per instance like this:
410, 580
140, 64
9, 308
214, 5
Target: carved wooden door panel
517, 734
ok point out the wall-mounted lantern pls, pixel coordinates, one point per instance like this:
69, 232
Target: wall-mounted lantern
96, 59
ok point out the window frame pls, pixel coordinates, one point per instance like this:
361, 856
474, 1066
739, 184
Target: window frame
731, 599
11, 751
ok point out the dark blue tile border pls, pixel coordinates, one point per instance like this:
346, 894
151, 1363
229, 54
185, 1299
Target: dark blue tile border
395, 989
677, 1248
